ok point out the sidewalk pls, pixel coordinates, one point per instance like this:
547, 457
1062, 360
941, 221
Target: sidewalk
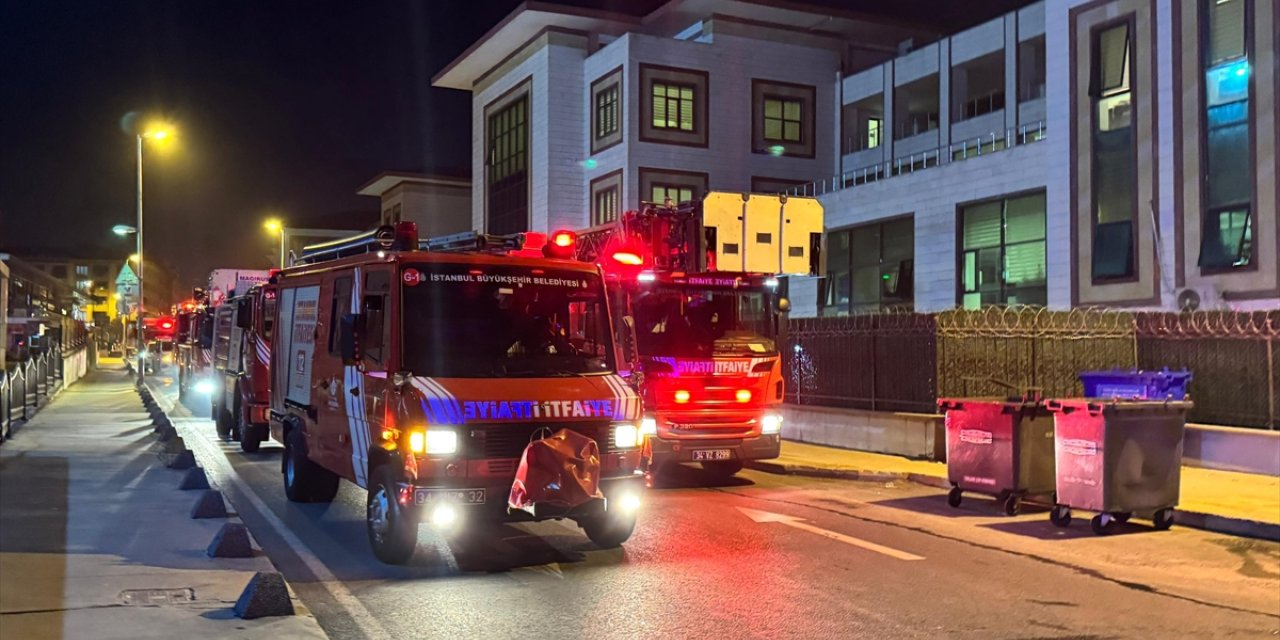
1222, 501
96, 540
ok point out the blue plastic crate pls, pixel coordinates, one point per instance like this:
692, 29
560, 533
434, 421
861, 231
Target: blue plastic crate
1136, 384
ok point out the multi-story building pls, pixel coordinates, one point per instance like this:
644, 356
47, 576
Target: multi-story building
1069, 153
98, 275
440, 205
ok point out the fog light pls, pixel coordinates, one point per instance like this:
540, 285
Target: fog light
771, 424
205, 387
436, 442
682, 396
443, 516
629, 502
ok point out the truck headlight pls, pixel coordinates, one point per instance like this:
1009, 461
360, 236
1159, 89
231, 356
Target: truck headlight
434, 442
648, 427
205, 387
770, 424
626, 436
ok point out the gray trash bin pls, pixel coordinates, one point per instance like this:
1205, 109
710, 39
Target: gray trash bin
1117, 458
998, 447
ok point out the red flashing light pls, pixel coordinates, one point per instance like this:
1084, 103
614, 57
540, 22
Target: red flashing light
681, 396
563, 239
560, 245
627, 258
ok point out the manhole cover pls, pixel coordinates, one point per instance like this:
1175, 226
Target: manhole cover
153, 597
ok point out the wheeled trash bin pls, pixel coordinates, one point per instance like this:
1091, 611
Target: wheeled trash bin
1117, 458
998, 447
1136, 384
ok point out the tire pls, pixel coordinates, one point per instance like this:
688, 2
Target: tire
954, 497
221, 420
392, 527
304, 480
1122, 517
1012, 504
1060, 516
609, 530
722, 469
1162, 519
247, 434
1102, 524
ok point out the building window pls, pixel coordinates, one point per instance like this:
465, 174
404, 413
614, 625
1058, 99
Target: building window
782, 119
1003, 256
508, 168
605, 208
1226, 241
761, 184
607, 112
870, 268
657, 185
875, 128
82, 270
1114, 170
660, 193
672, 106
1031, 78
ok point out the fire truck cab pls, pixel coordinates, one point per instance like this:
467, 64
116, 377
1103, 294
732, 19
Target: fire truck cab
698, 282
194, 339
421, 372
241, 359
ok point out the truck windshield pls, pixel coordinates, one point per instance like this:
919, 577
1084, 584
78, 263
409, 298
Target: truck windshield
495, 321
701, 323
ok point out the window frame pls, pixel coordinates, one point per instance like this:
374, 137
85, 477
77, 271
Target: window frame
700, 81
782, 119
610, 81
1096, 93
521, 93
962, 252
1210, 212
827, 290
692, 102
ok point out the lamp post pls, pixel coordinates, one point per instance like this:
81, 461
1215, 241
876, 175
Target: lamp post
275, 226
157, 134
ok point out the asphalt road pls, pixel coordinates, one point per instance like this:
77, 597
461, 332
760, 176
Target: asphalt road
764, 556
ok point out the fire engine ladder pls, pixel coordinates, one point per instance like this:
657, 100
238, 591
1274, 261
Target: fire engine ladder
474, 241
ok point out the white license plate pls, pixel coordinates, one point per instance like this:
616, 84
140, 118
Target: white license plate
460, 496
712, 454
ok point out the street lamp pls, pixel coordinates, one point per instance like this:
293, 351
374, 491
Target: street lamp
275, 226
154, 133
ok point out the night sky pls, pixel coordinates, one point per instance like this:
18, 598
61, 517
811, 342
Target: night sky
282, 108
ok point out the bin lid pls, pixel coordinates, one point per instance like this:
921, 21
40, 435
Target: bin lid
1102, 405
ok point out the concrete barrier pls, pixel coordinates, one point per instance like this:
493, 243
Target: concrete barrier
1232, 449
914, 435
74, 366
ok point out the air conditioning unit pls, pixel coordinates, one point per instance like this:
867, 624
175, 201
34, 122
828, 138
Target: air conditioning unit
1204, 296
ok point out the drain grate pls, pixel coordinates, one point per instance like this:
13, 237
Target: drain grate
154, 597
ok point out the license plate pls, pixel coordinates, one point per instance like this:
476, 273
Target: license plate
461, 496
712, 454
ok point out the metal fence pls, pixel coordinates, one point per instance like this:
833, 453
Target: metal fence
24, 387
904, 361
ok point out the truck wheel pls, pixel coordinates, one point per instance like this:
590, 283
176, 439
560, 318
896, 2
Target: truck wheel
393, 527
304, 480
609, 529
249, 440
722, 469
221, 420
1162, 519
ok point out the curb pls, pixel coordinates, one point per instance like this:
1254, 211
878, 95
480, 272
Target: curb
1192, 519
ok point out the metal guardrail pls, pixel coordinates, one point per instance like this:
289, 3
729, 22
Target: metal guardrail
988, 144
24, 387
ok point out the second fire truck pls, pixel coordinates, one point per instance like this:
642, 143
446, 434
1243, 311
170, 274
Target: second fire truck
698, 281
241, 359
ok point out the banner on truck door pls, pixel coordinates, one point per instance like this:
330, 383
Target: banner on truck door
300, 309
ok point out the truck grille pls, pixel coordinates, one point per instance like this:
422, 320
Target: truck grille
509, 440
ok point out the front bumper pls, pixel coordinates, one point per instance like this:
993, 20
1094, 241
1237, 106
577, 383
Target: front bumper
682, 450
497, 491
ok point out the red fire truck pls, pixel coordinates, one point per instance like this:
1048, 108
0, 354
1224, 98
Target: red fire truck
422, 372
241, 359
194, 339
698, 282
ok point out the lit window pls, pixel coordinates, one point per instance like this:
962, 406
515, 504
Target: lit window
782, 119
672, 106
1226, 238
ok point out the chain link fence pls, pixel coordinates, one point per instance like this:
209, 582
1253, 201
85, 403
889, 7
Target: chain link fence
904, 361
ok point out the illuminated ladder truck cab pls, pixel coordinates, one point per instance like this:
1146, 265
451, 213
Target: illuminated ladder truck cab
698, 283
421, 371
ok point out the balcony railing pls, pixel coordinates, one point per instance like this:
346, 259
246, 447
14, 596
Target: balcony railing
954, 152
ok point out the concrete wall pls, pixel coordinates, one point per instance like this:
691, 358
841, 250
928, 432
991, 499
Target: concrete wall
913, 435
1229, 449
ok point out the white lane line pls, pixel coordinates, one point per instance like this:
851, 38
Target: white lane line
799, 523
360, 616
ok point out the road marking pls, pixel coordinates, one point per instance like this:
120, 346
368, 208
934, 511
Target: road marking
799, 523
355, 609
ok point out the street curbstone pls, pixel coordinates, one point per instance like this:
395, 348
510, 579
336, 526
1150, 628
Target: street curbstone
232, 541
194, 480
209, 505
1230, 526
266, 595
185, 459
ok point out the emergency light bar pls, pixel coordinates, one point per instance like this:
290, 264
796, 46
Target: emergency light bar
474, 241
401, 236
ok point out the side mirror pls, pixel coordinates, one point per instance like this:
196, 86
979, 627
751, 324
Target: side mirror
784, 305
349, 338
244, 315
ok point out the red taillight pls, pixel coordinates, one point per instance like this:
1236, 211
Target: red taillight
743, 395
627, 258
681, 396
166, 325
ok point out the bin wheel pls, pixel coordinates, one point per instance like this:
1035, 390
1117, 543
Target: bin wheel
1012, 504
953, 496
1060, 516
1163, 519
1102, 524
1122, 517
